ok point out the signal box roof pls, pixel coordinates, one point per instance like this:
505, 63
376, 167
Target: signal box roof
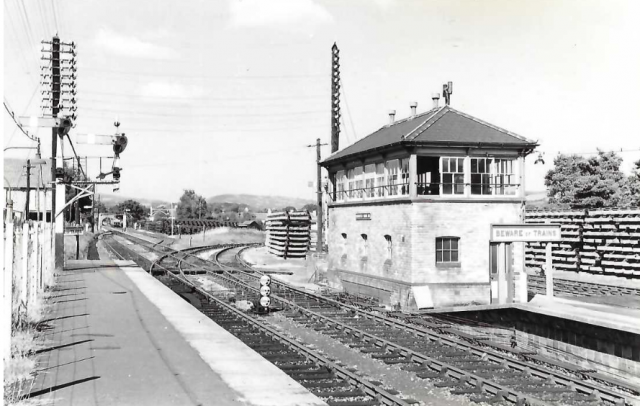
444, 126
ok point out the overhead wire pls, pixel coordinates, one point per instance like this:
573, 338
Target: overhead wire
55, 15
218, 130
26, 108
16, 36
217, 159
287, 114
193, 76
225, 99
13, 116
344, 93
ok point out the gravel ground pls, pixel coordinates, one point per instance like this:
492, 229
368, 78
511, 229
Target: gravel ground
407, 383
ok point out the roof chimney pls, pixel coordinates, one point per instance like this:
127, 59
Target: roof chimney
392, 116
435, 97
414, 106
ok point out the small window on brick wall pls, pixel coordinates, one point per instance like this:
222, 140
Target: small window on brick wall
447, 250
389, 245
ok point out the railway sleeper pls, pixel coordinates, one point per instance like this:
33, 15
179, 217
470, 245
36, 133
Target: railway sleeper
486, 367
312, 377
432, 375
373, 350
282, 357
391, 355
293, 366
338, 393
333, 383
354, 403
266, 347
315, 370
394, 361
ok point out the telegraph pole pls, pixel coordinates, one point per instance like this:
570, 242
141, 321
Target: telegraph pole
319, 216
335, 98
60, 127
56, 189
26, 208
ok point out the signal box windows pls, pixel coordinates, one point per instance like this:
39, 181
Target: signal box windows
447, 250
452, 176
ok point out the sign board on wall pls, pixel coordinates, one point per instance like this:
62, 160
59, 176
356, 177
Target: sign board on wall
363, 216
525, 232
79, 230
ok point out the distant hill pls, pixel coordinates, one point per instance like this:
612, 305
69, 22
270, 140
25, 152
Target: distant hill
113, 200
257, 203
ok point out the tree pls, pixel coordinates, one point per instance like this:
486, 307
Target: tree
136, 210
191, 206
634, 185
310, 207
588, 182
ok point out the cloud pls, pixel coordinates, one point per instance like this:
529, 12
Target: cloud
131, 46
169, 91
276, 13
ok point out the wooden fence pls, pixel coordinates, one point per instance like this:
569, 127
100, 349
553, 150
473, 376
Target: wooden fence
598, 241
288, 234
27, 271
185, 226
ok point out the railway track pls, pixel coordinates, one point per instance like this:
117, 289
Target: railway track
537, 284
335, 384
465, 365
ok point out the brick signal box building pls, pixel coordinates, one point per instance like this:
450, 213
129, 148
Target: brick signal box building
411, 206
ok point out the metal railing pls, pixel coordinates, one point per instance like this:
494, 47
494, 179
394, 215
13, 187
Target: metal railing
424, 189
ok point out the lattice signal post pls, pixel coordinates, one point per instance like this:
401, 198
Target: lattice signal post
59, 91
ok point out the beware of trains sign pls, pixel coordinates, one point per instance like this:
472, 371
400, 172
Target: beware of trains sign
525, 232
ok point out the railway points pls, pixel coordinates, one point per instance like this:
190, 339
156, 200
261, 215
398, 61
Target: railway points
373, 338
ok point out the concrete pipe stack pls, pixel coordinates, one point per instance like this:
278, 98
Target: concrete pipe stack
288, 234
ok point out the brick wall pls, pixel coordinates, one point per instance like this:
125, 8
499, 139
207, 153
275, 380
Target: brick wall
413, 228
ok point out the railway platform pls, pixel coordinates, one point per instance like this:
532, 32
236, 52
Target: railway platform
117, 336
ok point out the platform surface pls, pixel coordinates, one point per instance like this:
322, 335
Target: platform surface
613, 317
117, 336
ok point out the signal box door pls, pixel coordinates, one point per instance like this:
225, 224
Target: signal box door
501, 272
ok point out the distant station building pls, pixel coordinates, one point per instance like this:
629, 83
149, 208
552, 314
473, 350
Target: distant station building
411, 206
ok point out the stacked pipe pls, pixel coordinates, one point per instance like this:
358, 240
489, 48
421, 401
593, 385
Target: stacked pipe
598, 241
288, 234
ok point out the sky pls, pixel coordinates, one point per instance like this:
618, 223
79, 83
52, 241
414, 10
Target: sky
224, 96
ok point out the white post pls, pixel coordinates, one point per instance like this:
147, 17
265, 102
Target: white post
7, 283
413, 175
32, 296
24, 275
521, 191
549, 270
522, 288
40, 240
48, 262
59, 227
502, 277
